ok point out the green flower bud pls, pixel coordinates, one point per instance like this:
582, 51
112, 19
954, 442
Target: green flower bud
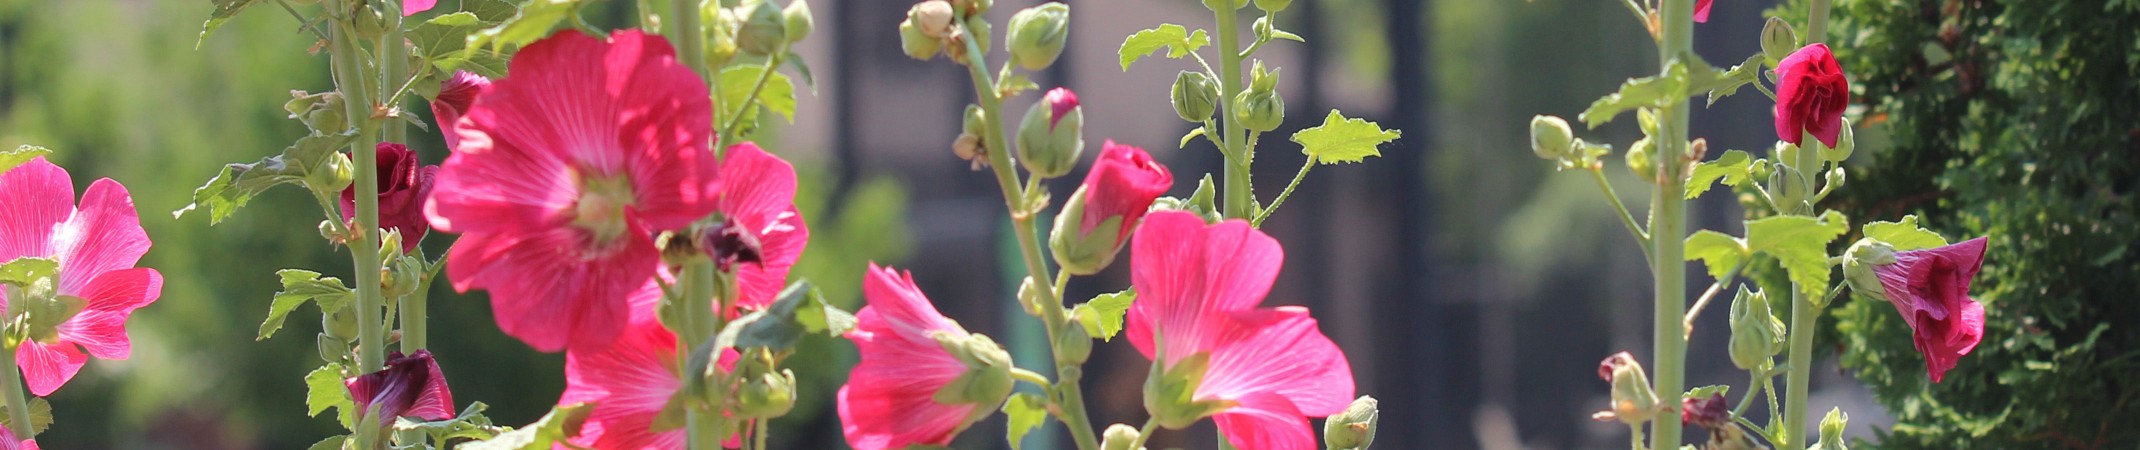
1778, 40
764, 30
767, 395
1195, 96
1858, 263
1073, 346
1845, 143
1052, 135
797, 21
1632, 400
1087, 254
404, 275
1831, 430
1787, 187
1273, 5
1119, 437
1029, 297
1353, 429
969, 146
1551, 138
1756, 334
332, 349
987, 380
1260, 80
721, 25
1638, 160
1259, 111
333, 174
1836, 177
324, 112
1038, 33
368, 23
340, 323
916, 43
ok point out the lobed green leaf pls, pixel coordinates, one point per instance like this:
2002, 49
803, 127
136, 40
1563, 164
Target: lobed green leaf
1022, 414
1904, 235
1102, 316
777, 96
300, 287
26, 270
800, 310
1343, 140
324, 389
1177, 40
1719, 251
224, 10
239, 183
1799, 243
1733, 168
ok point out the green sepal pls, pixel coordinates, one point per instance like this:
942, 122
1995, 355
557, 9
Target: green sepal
561, 423
470, 424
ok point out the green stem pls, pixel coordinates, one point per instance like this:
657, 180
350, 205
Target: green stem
772, 64
1072, 400
1240, 197
415, 332
1288, 192
1696, 311
364, 249
1753, 387
759, 434
1817, 27
18, 404
1145, 433
393, 54
1803, 317
1642, 238
697, 309
1668, 229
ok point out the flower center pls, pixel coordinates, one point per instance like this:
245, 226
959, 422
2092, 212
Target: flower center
600, 208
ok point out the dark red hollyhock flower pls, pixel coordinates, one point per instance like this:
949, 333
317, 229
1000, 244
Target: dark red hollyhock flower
409, 386
404, 182
1810, 96
1123, 182
1930, 288
1701, 11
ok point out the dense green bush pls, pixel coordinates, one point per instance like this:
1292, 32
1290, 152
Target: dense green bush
2018, 120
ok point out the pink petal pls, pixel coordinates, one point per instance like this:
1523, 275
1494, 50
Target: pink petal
40, 196
548, 289
101, 326
490, 185
629, 383
411, 7
104, 235
436, 402
1280, 351
1189, 277
780, 244
757, 190
1701, 11
888, 402
1265, 422
45, 367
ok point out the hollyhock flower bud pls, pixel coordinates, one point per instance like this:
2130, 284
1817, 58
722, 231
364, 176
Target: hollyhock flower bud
409, 386
1632, 400
1858, 263
1639, 162
332, 349
1787, 187
1037, 35
453, 100
1831, 430
922, 378
973, 7
916, 43
721, 25
1811, 93
1273, 5
322, 112
764, 30
1119, 437
1073, 346
1225, 5
1098, 218
796, 20
1195, 96
332, 176
411, 7
1259, 111
340, 323
933, 18
1551, 138
1701, 10
83, 307
766, 395
404, 185
1756, 334
1844, 144
1710, 412
1778, 39
1353, 429
1052, 134
1930, 288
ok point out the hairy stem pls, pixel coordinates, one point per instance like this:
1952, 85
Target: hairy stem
1240, 202
1709, 294
1803, 316
1668, 229
1288, 192
364, 247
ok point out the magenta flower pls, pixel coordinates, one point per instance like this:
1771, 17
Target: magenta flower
1269, 369
8, 441
404, 183
409, 386
96, 246
629, 383
1060, 102
453, 99
1122, 183
889, 401
1930, 288
763, 234
411, 7
1811, 93
565, 171
1701, 10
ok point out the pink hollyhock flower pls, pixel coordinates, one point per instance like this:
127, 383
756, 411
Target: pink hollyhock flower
1123, 183
1701, 10
409, 386
1810, 96
1268, 369
8, 441
404, 183
1930, 288
411, 7
96, 246
565, 171
891, 398
453, 99
629, 383
762, 233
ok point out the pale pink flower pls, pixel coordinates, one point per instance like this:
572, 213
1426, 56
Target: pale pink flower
96, 246
1197, 291
889, 400
565, 171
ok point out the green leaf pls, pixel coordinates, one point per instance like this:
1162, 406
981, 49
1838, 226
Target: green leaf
1102, 316
1707, 391
224, 10
533, 21
1177, 40
800, 309
300, 287
1800, 244
469, 425
324, 389
1733, 167
778, 94
443, 37
1904, 235
11, 158
1022, 414
560, 424
40, 416
26, 270
1340, 140
1719, 251
490, 12
331, 443
802, 69
239, 183
1739, 76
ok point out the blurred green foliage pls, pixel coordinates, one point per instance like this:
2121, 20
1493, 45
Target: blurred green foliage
117, 90
2017, 120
